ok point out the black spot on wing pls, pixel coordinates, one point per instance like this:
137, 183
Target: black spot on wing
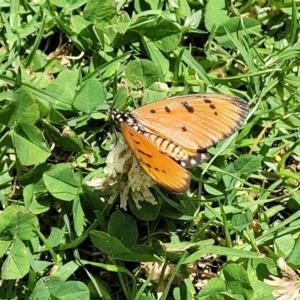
212, 106
189, 108
153, 111
146, 154
167, 109
207, 100
156, 169
184, 128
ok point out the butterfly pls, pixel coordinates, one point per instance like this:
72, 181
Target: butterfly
170, 135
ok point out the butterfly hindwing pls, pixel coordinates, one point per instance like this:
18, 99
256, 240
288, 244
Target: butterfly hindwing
159, 166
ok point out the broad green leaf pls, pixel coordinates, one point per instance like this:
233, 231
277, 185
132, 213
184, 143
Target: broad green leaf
64, 87
143, 71
238, 27
128, 234
284, 245
35, 175
78, 213
120, 99
193, 20
146, 212
30, 145
18, 222
4, 246
108, 244
85, 37
183, 9
5, 176
52, 287
67, 138
241, 221
60, 3
293, 257
98, 10
22, 109
154, 92
215, 288
36, 205
216, 12
216, 190
247, 163
169, 43
237, 281
90, 95
16, 264
40, 265
61, 182
265, 265
155, 28
157, 57
120, 23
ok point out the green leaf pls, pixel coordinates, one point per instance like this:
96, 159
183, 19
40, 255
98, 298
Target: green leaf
143, 71
32, 202
64, 87
216, 12
128, 234
169, 43
147, 212
238, 27
237, 281
79, 220
35, 175
90, 96
52, 287
154, 92
55, 237
183, 9
61, 182
293, 257
4, 246
247, 163
67, 138
284, 245
16, 265
98, 10
22, 109
215, 288
157, 57
155, 28
29, 144
108, 244
18, 222
241, 221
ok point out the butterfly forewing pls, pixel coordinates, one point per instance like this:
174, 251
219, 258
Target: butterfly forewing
195, 122
159, 166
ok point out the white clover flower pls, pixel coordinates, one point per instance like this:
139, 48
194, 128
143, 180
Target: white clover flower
288, 285
119, 162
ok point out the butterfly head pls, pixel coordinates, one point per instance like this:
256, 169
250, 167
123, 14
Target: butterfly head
127, 118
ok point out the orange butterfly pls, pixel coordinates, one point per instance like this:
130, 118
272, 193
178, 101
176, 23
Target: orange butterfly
172, 134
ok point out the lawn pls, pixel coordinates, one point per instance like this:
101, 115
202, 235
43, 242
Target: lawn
79, 217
